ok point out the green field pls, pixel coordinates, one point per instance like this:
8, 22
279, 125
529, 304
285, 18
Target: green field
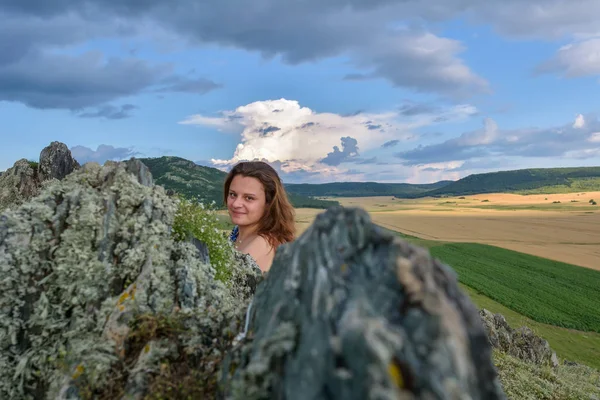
582, 347
544, 290
489, 275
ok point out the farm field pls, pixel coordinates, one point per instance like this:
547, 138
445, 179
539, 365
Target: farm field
539, 288
568, 231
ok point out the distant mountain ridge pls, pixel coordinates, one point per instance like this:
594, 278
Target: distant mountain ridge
362, 189
524, 181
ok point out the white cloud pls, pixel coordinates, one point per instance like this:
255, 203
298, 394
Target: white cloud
284, 131
579, 122
594, 137
103, 153
574, 60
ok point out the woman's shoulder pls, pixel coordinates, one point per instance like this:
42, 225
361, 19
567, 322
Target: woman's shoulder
261, 243
262, 252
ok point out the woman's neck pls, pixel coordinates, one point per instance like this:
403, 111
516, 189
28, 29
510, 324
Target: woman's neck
246, 232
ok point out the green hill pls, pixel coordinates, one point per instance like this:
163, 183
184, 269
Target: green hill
362, 189
523, 181
205, 183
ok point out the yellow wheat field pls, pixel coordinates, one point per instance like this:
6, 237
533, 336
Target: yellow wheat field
563, 227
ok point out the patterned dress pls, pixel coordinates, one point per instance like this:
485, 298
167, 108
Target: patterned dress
234, 233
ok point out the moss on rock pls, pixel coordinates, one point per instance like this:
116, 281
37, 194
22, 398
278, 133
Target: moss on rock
81, 263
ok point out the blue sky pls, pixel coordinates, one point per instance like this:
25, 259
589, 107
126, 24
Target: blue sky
346, 90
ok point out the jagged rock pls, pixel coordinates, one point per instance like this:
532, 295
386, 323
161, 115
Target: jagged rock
521, 343
18, 183
349, 311
56, 162
25, 179
98, 301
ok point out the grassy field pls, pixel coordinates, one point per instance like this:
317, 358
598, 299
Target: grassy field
544, 290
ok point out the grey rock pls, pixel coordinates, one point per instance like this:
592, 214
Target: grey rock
26, 179
96, 297
56, 162
521, 342
349, 311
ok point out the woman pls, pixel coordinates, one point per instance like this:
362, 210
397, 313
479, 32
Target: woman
259, 207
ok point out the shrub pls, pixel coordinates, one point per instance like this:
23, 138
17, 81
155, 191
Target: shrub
202, 222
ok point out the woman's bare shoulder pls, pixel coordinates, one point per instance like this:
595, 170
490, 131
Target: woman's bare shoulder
262, 252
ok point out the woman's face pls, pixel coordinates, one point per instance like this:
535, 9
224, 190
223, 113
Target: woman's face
246, 201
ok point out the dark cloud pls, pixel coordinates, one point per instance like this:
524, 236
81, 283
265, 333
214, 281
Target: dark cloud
363, 161
349, 150
102, 154
390, 143
185, 85
297, 32
109, 112
411, 109
35, 72
43, 80
268, 129
490, 141
356, 77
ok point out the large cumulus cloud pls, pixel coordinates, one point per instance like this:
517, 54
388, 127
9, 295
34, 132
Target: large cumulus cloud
304, 142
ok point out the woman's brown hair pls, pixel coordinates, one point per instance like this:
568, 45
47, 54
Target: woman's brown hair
277, 224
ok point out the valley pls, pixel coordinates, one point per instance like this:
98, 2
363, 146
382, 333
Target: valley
568, 231
533, 258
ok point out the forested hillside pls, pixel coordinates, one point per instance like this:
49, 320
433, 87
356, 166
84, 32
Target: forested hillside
525, 181
362, 189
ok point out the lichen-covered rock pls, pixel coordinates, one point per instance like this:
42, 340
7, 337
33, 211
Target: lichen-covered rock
18, 183
56, 162
349, 311
25, 179
98, 301
521, 342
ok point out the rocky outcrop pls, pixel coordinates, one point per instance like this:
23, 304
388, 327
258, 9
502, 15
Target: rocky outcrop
25, 179
56, 162
349, 311
521, 342
97, 300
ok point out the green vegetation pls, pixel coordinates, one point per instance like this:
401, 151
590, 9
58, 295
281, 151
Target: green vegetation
362, 189
522, 380
195, 219
34, 164
523, 181
191, 180
569, 344
582, 347
544, 290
